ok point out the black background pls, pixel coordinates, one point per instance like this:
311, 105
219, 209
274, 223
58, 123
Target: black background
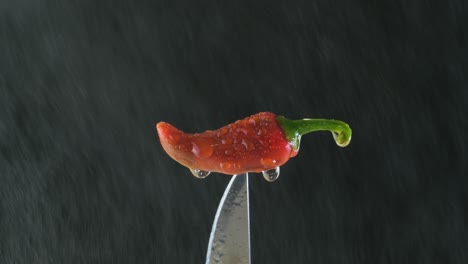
83, 178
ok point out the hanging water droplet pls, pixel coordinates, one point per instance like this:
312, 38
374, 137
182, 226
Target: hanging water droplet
199, 173
271, 175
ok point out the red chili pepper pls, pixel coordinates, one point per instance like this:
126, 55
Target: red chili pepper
261, 142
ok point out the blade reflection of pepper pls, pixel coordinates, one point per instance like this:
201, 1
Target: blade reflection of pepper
257, 143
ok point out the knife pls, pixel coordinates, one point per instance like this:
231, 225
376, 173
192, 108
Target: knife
230, 235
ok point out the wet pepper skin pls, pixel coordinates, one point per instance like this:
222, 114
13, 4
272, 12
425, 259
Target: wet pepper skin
253, 144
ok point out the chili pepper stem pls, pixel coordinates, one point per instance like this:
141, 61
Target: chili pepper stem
294, 129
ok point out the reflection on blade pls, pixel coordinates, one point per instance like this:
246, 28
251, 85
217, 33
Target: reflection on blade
230, 234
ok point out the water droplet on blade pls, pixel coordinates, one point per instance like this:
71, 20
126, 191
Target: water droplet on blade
271, 175
199, 173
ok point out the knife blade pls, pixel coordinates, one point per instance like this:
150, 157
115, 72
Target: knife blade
230, 235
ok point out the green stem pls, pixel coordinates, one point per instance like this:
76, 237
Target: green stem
294, 129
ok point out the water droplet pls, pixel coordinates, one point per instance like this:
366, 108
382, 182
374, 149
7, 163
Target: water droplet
225, 165
252, 121
174, 138
199, 173
228, 152
242, 130
223, 131
202, 149
268, 162
271, 175
226, 141
248, 144
261, 131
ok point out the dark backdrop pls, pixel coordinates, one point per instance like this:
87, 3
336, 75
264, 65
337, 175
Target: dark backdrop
83, 178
